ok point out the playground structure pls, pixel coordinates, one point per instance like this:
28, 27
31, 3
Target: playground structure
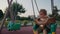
14, 25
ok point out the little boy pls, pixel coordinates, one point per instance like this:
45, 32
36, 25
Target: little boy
42, 22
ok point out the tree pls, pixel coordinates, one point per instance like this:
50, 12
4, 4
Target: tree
16, 7
1, 14
55, 13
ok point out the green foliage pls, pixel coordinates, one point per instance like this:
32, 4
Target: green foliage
25, 18
1, 14
16, 7
57, 17
6, 23
17, 17
25, 22
8, 19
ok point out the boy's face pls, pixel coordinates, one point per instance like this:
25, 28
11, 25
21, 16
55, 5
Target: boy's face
42, 14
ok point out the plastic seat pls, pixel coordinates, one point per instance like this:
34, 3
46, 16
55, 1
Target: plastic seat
52, 29
16, 26
10, 26
13, 26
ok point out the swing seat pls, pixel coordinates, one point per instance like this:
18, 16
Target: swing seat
52, 29
13, 26
10, 26
16, 26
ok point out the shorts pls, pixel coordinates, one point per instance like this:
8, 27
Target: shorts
36, 27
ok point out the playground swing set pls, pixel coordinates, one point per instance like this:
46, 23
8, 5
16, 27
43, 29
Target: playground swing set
53, 25
16, 26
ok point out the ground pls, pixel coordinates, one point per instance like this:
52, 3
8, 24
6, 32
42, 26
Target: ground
24, 30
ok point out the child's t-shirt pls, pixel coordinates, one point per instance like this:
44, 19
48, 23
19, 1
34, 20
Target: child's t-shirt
43, 20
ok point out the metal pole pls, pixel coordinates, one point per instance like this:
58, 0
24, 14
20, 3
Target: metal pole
33, 7
52, 6
3, 21
36, 5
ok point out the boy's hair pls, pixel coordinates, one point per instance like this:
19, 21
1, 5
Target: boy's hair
44, 11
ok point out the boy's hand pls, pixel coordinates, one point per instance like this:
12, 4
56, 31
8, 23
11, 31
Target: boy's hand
41, 26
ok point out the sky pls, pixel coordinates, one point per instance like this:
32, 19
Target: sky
42, 4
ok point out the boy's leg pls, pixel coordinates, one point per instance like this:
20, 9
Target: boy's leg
35, 31
44, 31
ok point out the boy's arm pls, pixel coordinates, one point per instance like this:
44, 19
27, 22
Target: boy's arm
39, 22
49, 20
36, 21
